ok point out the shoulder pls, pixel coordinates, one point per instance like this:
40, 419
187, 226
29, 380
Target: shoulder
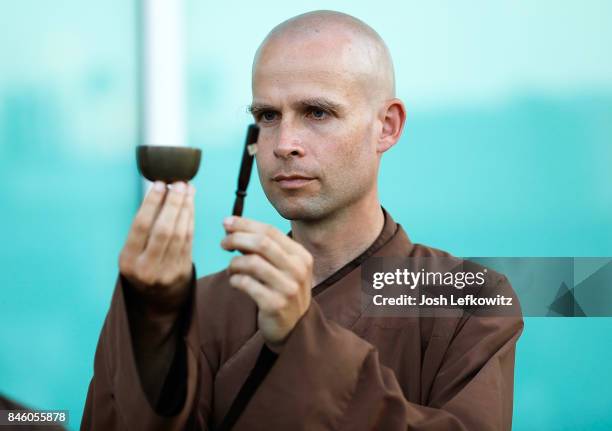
497, 282
505, 316
425, 250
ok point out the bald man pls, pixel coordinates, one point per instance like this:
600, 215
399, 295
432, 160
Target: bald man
279, 340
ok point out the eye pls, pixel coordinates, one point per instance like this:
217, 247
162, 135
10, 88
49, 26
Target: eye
267, 116
317, 114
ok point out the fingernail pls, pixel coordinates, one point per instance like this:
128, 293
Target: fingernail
180, 187
228, 221
159, 186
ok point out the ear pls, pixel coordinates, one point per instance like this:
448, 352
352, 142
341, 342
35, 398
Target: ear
393, 117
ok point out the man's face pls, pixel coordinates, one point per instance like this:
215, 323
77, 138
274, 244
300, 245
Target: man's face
316, 122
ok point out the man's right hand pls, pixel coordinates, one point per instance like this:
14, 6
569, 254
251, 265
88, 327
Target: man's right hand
157, 256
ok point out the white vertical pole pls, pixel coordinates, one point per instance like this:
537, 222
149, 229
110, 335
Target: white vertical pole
163, 73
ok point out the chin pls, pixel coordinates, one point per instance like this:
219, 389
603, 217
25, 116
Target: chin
304, 209
292, 211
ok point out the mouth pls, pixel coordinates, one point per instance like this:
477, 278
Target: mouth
292, 181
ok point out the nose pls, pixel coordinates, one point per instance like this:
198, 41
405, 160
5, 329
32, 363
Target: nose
288, 142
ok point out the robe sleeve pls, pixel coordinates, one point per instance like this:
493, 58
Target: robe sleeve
326, 377
116, 399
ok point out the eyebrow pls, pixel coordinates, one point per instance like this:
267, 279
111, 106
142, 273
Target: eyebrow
314, 102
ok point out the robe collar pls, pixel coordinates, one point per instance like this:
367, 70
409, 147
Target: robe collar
388, 231
340, 295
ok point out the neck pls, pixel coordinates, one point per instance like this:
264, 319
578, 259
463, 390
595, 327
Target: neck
341, 237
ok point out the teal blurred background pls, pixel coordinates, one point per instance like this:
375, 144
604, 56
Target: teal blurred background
507, 152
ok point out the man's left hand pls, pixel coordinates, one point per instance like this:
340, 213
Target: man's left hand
275, 271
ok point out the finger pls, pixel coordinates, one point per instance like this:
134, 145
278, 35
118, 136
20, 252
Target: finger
145, 217
265, 246
257, 267
188, 245
240, 224
163, 228
267, 300
175, 247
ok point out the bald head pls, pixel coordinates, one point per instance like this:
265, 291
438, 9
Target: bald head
358, 50
323, 96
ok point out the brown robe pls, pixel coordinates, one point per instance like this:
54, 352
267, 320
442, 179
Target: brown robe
339, 369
